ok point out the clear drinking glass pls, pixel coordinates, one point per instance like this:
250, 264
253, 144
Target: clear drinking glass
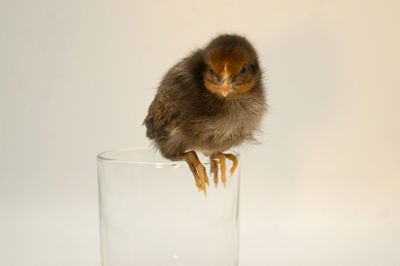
152, 214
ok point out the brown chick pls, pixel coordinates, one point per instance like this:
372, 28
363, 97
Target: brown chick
209, 102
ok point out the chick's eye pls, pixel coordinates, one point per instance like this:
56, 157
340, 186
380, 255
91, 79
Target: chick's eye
211, 71
244, 70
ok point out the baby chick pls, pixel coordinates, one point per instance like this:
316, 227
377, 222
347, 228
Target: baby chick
209, 102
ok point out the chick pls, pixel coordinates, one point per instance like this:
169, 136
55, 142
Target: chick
209, 102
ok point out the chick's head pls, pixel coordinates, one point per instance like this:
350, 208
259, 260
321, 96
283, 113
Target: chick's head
231, 66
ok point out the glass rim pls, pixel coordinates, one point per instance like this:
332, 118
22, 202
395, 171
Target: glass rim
106, 156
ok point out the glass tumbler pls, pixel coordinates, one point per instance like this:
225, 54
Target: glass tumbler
152, 214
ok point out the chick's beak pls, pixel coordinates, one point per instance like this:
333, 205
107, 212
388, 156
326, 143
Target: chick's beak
226, 87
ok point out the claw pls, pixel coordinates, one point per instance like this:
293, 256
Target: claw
203, 178
223, 168
234, 160
214, 170
220, 158
198, 170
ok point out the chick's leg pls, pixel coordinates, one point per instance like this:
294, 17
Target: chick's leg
198, 170
221, 161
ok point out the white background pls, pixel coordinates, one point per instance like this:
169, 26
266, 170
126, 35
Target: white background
76, 78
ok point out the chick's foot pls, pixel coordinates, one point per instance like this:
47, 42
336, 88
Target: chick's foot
219, 159
198, 170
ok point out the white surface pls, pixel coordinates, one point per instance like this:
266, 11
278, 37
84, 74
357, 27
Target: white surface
76, 78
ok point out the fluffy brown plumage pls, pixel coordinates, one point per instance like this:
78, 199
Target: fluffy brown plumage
210, 101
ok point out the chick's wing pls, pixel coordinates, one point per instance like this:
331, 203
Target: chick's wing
162, 117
